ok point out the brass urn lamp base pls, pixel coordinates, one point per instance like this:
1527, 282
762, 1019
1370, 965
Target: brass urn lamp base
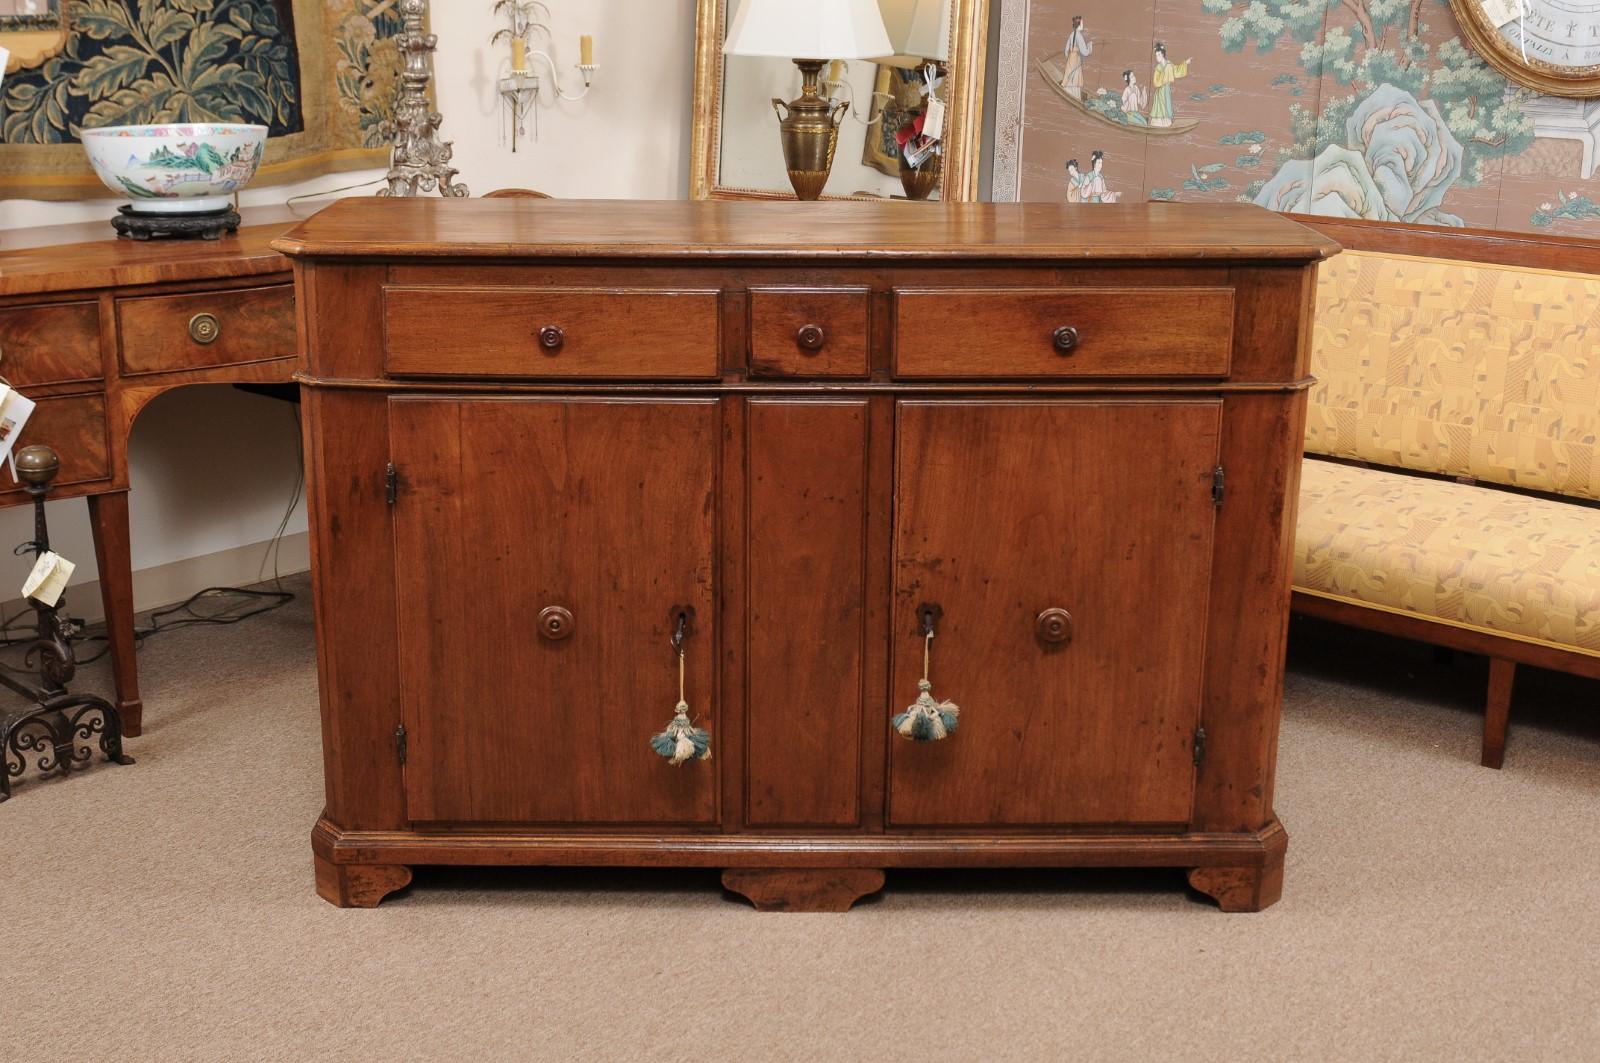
809, 132
920, 182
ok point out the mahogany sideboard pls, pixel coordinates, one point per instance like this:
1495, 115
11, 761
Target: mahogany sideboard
93, 328
544, 438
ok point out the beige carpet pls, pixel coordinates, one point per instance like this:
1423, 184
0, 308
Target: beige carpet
1432, 909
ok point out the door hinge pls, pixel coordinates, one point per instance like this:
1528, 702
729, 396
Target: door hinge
1199, 745
400, 743
1219, 484
391, 483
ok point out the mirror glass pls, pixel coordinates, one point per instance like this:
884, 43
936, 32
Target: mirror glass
749, 156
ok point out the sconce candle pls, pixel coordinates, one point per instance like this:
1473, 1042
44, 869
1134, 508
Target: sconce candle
586, 50
519, 55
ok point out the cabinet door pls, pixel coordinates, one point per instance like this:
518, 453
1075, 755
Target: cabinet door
1004, 511
509, 507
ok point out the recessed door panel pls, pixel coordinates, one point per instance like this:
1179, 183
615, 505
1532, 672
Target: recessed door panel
541, 548
1066, 548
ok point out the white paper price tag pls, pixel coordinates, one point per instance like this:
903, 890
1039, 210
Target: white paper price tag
48, 578
15, 409
933, 119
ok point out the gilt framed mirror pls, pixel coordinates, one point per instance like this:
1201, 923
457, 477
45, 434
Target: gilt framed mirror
736, 153
32, 30
1550, 46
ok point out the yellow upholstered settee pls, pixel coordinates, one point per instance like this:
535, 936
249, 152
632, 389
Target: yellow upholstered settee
1453, 468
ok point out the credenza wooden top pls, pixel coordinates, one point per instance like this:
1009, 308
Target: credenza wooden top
59, 258
511, 228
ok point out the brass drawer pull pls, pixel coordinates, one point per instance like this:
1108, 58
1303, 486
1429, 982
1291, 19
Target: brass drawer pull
811, 338
1053, 625
1065, 339
555, 623
551, 337
205, 328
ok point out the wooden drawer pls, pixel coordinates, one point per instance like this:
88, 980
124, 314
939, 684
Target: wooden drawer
809, 331
76, 427
163, 333
1013, 332
634, 333
56, 343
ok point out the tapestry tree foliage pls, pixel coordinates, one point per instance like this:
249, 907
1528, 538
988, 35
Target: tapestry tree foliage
1375, 42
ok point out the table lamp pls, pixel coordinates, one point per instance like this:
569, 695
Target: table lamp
808, 125
919, 31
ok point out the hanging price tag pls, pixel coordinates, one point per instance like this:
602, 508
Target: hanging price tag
48, 578
933, 119
15, 409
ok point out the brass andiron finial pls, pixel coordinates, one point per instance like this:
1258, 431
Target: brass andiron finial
421, 161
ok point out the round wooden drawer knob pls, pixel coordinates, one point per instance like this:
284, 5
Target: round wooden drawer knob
811, 338
551, 337
1054, 625
204, 328
1065, 339
555, 623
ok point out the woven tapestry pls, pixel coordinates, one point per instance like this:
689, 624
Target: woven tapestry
321, 75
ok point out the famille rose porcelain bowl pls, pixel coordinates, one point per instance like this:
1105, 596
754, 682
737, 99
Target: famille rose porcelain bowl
179, 168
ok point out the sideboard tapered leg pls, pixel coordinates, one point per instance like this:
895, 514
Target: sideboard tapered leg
358, 885
803, 889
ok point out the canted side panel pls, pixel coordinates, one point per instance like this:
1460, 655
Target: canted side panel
352, 567
1249, 614
341, 310
806, 605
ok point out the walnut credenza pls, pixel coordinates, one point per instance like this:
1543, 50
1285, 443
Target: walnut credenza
542, 436
93, 328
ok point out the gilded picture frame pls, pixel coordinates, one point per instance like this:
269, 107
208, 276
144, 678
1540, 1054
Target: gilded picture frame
31, 39
963, 96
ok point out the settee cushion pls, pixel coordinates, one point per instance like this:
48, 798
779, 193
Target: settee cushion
1466, 555
1458, 368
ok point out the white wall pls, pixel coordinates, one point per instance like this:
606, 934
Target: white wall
212, 468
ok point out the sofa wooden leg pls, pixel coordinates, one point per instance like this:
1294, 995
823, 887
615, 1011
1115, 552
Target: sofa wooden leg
1497, 715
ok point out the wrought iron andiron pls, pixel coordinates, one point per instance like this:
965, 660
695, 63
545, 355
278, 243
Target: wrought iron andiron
58, 726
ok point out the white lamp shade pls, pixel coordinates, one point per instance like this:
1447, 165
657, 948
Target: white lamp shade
808, 29
918, 30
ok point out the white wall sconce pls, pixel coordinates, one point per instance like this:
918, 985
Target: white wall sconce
525, 86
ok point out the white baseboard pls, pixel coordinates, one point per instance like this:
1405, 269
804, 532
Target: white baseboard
162, 585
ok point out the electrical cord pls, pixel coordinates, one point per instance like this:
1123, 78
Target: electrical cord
185, 611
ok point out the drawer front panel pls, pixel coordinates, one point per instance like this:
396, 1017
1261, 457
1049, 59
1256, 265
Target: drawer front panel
76, 427
1063, 332
809, 331
551, 332
167, 333
55, 344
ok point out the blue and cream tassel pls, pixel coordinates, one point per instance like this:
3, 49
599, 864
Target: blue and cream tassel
681, 740
927, 720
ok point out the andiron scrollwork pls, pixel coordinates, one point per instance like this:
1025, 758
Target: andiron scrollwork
56, 730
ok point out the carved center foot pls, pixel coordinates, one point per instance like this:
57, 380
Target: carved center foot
803, 889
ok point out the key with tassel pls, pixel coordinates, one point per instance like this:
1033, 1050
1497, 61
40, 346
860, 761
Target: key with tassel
681, 740
927, 719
